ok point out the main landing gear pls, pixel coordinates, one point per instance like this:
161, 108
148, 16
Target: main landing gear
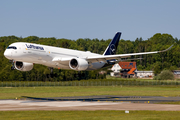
51, 73
51, 69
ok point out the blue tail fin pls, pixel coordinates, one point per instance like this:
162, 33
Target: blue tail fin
112, 47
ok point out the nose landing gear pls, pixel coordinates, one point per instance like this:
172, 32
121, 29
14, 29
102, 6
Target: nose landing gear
12, 62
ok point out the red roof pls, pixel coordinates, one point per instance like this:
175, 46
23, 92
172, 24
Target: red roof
127, 65
132, 71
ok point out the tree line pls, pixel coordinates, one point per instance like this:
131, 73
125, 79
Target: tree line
169, 60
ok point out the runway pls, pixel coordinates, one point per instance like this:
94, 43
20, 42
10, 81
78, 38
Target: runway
90, 103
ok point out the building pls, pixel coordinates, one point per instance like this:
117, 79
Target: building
128, 69
116, 70
144, 74
176, 73
124, 69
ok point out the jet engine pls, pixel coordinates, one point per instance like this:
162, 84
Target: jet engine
23, 66
78, 64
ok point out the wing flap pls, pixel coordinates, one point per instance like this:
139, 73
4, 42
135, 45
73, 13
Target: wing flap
60, 59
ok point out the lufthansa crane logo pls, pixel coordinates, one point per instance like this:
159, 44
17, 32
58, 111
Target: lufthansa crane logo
112, 49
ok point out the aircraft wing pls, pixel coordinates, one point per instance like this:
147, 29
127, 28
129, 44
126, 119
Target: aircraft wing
104, 58
119, 56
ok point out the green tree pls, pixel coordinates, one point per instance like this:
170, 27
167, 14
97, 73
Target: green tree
157, 68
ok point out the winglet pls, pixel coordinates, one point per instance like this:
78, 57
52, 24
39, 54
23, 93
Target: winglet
166, 49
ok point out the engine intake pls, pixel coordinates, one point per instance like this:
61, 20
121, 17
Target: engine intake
23, 66
78, 64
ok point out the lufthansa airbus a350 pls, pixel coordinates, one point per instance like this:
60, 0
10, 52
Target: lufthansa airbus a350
24, 55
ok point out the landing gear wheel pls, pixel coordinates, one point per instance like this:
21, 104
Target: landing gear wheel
51, 74
51, 69
12, 68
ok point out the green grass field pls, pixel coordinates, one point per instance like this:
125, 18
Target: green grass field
89, 115
65, 91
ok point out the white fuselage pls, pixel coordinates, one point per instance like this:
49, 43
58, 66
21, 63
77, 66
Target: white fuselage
43, 54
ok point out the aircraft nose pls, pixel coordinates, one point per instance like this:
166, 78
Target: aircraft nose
7, 54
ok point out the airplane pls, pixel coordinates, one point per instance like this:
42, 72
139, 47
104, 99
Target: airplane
24, 55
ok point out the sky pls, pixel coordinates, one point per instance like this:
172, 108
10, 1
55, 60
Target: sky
101, 19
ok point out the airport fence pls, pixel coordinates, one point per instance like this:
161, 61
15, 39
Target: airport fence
88, 83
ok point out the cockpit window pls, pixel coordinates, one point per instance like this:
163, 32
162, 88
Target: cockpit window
12, 47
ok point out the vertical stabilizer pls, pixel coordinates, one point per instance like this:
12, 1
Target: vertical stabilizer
112, 47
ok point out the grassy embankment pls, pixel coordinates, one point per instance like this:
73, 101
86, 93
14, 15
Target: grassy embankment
89, 115
94, 82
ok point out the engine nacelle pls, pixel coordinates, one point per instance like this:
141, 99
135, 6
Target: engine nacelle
23, 66
78, 64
